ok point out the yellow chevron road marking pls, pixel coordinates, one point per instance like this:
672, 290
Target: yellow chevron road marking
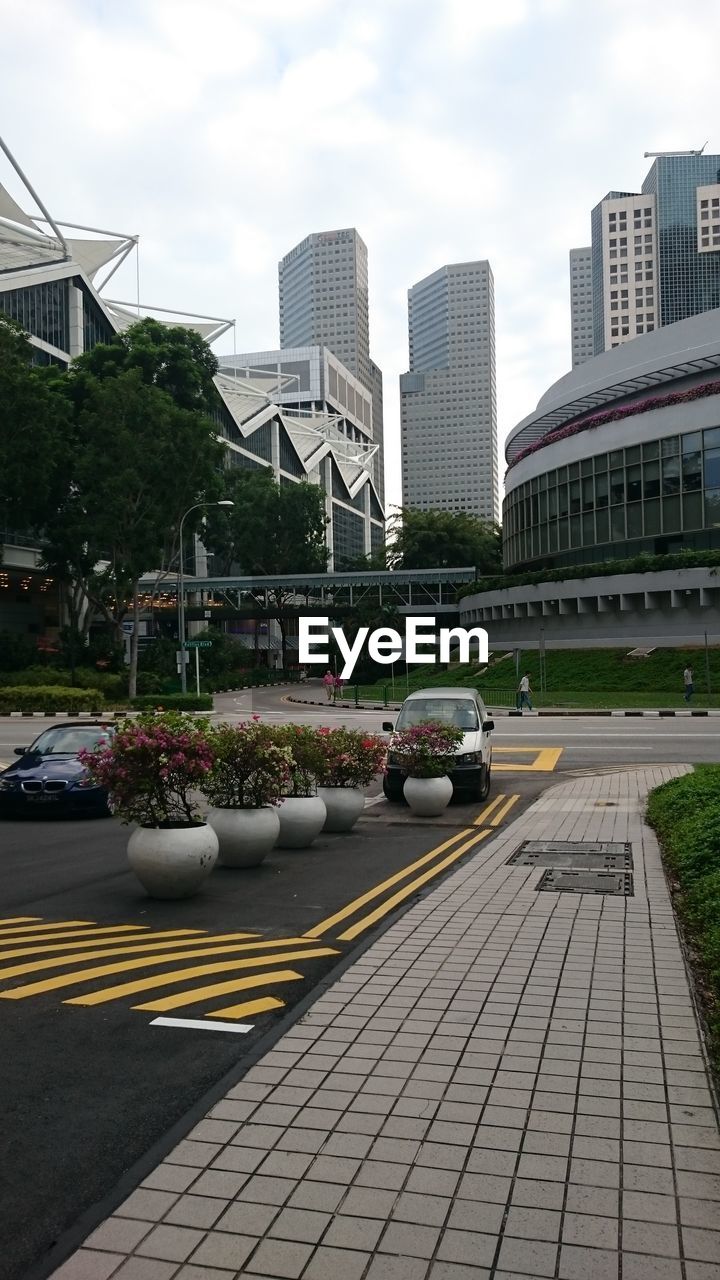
102, 971
18, 920
88, 936
361, 925
197, 994
501, 813
264, 1005
43, 928
325, 925
196, 971
484, 814
36, 966
143, 939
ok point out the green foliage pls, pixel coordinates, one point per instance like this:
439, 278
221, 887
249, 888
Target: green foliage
307, 759
16, 651
250, 769
172, 358
173, 702
271, 528
638, 564
685, 812
49, 698
33, 424
443, 540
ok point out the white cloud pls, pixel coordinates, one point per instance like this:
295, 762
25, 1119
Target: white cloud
443, 130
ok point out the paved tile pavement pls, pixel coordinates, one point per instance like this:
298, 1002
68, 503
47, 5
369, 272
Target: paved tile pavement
507, 1084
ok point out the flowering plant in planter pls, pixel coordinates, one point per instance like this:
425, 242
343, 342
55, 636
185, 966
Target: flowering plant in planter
152, 769
306, 766
249, 770
349, 757
426, 750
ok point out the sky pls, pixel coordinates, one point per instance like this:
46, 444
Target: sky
224, 131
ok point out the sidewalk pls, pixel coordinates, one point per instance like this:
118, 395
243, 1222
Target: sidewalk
507, 1084
347, 704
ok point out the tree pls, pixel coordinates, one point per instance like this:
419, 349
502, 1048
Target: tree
170, 357
272, 529
444, 540
135, 462
33, 428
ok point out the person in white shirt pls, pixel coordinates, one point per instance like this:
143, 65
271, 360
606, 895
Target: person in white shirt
524, 692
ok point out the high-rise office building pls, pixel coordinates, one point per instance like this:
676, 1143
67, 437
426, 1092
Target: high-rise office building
656, 253
447, 399
323, 288
581, 310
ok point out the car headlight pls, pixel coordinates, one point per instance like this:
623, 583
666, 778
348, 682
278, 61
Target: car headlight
8, 784
470, 757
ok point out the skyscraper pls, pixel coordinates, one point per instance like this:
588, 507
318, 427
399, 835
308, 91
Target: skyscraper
323, 289
581, 310
656, 253
447, 399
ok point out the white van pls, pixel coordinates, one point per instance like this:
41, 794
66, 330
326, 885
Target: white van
463, 708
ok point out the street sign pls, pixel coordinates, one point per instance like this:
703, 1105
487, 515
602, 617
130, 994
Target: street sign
128, 628
198, 644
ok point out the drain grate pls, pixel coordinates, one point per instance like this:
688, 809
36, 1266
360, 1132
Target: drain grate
584, 856
556, 880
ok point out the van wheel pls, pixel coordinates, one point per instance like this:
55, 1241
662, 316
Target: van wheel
483, 787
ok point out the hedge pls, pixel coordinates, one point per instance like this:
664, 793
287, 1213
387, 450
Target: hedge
602, 569
685, 812
174, 702
50, 698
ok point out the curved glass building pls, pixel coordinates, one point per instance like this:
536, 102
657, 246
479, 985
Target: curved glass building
621, 456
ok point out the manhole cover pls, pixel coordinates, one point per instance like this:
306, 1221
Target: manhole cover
575, 846
619, 883
584, 856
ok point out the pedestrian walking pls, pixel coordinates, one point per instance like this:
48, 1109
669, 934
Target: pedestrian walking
329, 682
337, 688
524, 692
689, 683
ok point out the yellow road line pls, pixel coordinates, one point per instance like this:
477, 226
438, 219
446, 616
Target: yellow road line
141, 940
497, 819
43, 928
215, 989
485, 813
408, 889
167, 979
353, 906
88, 936
18, 920
151, 954
546, 759
264, 1005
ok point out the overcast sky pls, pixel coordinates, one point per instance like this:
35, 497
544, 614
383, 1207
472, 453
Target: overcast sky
224, 131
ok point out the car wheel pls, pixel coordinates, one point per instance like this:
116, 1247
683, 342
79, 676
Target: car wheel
482, 790
393, 794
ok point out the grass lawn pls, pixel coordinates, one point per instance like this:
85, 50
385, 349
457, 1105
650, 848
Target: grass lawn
686, 815
593, 678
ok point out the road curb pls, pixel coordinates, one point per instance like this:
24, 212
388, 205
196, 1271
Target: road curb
510, 712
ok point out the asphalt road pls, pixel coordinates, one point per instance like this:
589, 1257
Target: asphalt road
89, 1088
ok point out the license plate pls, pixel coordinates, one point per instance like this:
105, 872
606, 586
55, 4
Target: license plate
41, 799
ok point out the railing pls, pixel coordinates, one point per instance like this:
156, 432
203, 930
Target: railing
386, 695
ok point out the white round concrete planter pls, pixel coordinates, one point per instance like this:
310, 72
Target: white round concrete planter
302, 818
246, 836
172, 862
344, 806
428, 797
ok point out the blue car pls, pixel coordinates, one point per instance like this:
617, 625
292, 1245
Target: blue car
49, 779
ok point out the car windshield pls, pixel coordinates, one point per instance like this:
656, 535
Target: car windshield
460, 712
67, 742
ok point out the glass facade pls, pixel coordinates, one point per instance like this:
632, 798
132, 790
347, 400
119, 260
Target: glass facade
42, 310
689, 281
348, 533
429, 324
96, 326
657, 497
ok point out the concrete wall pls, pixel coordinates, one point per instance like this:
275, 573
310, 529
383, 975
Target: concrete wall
655, 609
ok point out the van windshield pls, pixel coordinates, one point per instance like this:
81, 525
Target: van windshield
460, 712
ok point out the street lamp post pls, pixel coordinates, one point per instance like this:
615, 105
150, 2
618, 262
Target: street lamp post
224, 502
